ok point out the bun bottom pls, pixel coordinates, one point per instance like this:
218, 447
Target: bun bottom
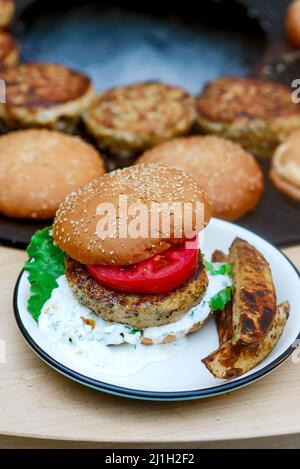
290, 190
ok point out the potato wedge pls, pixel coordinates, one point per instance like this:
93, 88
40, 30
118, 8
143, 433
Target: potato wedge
254, 297
219, 256
223, 318
224, 323
232, 360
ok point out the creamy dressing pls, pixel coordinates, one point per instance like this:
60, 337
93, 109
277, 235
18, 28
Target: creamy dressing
115, 349
198, 314
121, 360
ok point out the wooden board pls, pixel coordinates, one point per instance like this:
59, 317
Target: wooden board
40, 408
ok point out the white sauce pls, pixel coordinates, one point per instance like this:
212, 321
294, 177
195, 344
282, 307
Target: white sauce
197, 314
88, 338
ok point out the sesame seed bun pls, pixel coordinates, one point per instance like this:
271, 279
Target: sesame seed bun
7, 8
256, 113
44, 95
285, 172
129, 119
9, 50
39, 168
76, 225
231, 177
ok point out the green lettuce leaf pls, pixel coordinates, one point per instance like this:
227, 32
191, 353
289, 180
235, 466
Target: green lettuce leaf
220, 300
135, 331
223, 269
45, 265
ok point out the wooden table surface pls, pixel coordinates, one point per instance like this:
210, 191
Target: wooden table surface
40, 408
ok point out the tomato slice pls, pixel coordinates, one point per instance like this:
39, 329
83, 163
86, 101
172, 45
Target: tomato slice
158, 274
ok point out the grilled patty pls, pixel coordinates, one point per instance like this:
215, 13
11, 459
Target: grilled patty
44, 95
136, 310
257, 114
129, 119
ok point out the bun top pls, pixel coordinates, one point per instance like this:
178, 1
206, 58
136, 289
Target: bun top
229, 174
40, 167
286, 160
95, 226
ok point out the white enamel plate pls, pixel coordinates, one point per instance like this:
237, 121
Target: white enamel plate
181, 375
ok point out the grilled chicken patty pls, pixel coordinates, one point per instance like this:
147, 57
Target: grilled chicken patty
129, 119
44, 95
136, 310
256, 113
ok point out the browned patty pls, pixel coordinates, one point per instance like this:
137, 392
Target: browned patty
136, 310
257, 114
43, 85
135, 117
229, 98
